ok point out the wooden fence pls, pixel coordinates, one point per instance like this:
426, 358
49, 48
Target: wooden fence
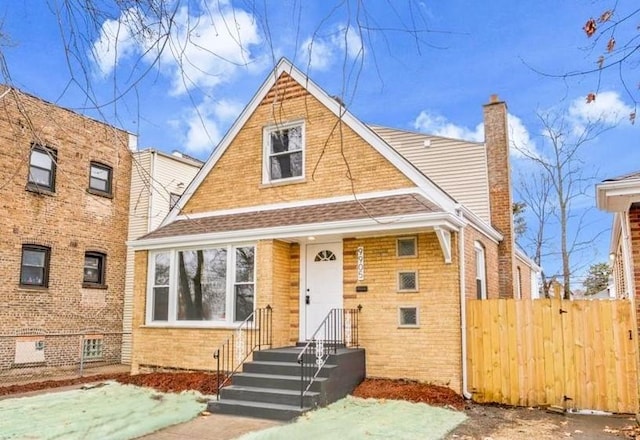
574, 354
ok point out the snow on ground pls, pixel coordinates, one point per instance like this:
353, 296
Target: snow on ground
353, 418
110, 411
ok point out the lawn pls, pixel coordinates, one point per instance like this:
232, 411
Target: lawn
107, 411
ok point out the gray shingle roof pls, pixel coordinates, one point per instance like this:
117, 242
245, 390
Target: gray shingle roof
399, 205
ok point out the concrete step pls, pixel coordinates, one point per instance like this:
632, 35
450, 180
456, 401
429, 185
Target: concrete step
256, 409
282, 368
281, 381
286, 354
268, 395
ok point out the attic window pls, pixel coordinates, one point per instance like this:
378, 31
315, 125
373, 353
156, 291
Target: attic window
284, 152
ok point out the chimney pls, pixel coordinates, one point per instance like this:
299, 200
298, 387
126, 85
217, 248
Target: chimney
496, 138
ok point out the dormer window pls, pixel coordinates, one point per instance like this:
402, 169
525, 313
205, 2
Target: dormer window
284, 152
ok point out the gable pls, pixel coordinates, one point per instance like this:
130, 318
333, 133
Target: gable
337, 162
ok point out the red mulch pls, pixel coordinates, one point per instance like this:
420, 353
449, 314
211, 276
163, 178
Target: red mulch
206, 384
166, 382
409, 390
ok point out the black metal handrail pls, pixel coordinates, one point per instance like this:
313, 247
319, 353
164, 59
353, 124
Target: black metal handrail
339, 329
255, 332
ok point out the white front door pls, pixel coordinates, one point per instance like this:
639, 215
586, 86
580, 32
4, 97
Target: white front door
322, 289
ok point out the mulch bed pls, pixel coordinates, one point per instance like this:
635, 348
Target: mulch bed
409, 390
206, 384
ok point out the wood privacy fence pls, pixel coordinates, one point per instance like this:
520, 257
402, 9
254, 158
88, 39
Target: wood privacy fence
574, 354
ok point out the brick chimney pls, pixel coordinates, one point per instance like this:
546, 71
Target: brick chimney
496, 138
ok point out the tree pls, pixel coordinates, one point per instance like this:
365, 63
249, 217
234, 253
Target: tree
597, 278
622, 53
564, 181
519, 220
535, 192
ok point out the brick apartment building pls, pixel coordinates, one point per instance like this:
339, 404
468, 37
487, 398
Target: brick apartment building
64, 198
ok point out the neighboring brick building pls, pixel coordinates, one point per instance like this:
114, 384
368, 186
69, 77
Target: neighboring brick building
304, 208
64, 196
621, 196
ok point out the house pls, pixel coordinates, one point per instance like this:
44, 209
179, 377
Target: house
158, 180
621, 196
64, 194
304, 208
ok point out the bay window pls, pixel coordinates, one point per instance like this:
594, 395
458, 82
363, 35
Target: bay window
209, 285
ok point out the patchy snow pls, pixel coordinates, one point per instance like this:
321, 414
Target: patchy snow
110, 411
353, 418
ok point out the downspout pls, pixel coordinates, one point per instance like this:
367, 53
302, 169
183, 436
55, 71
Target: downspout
463, 310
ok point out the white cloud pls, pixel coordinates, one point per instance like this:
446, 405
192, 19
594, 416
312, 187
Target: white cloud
115, 43
202, 49
438, 125
203, 126
608, 109
320, 53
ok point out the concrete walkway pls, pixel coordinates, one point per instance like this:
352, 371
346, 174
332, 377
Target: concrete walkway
211, 427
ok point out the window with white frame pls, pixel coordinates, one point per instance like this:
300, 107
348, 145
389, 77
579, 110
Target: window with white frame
407, 281
408, 316
213, 284
406, 247
481, 271
284, 152
518, 283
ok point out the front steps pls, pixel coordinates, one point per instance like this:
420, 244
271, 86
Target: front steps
269, 386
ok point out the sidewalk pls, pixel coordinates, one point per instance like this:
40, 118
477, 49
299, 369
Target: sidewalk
213, 427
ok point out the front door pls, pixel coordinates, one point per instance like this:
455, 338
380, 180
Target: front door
322, 290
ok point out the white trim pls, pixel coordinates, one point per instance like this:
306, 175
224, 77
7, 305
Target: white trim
301, 203
527, 261
444, 238
481, 226
381, 224
435, 193
605, 191
479, 250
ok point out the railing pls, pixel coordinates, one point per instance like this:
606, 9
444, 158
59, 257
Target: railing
339, 329
255, 332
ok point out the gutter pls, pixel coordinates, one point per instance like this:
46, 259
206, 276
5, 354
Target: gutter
463, 312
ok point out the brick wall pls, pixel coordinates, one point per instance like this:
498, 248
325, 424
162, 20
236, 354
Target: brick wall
634, 230
430, 353
70, 221
471, 236
497, 143
337, 161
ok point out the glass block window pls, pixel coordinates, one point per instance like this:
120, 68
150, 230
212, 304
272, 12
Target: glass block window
92, 348
408, 316
408, 281
407, 247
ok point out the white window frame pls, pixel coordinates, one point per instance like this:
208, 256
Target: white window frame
415, 247
172, 321
400, 324
518, 282
400, 289
266, 151
480, 269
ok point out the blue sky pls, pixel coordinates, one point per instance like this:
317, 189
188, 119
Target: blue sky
432, 81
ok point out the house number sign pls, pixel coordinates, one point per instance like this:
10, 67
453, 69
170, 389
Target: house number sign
360, 263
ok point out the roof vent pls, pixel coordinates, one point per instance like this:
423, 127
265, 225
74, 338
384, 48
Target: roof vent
427, 143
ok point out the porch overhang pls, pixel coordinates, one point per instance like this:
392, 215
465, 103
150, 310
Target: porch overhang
617, 195
441, 222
